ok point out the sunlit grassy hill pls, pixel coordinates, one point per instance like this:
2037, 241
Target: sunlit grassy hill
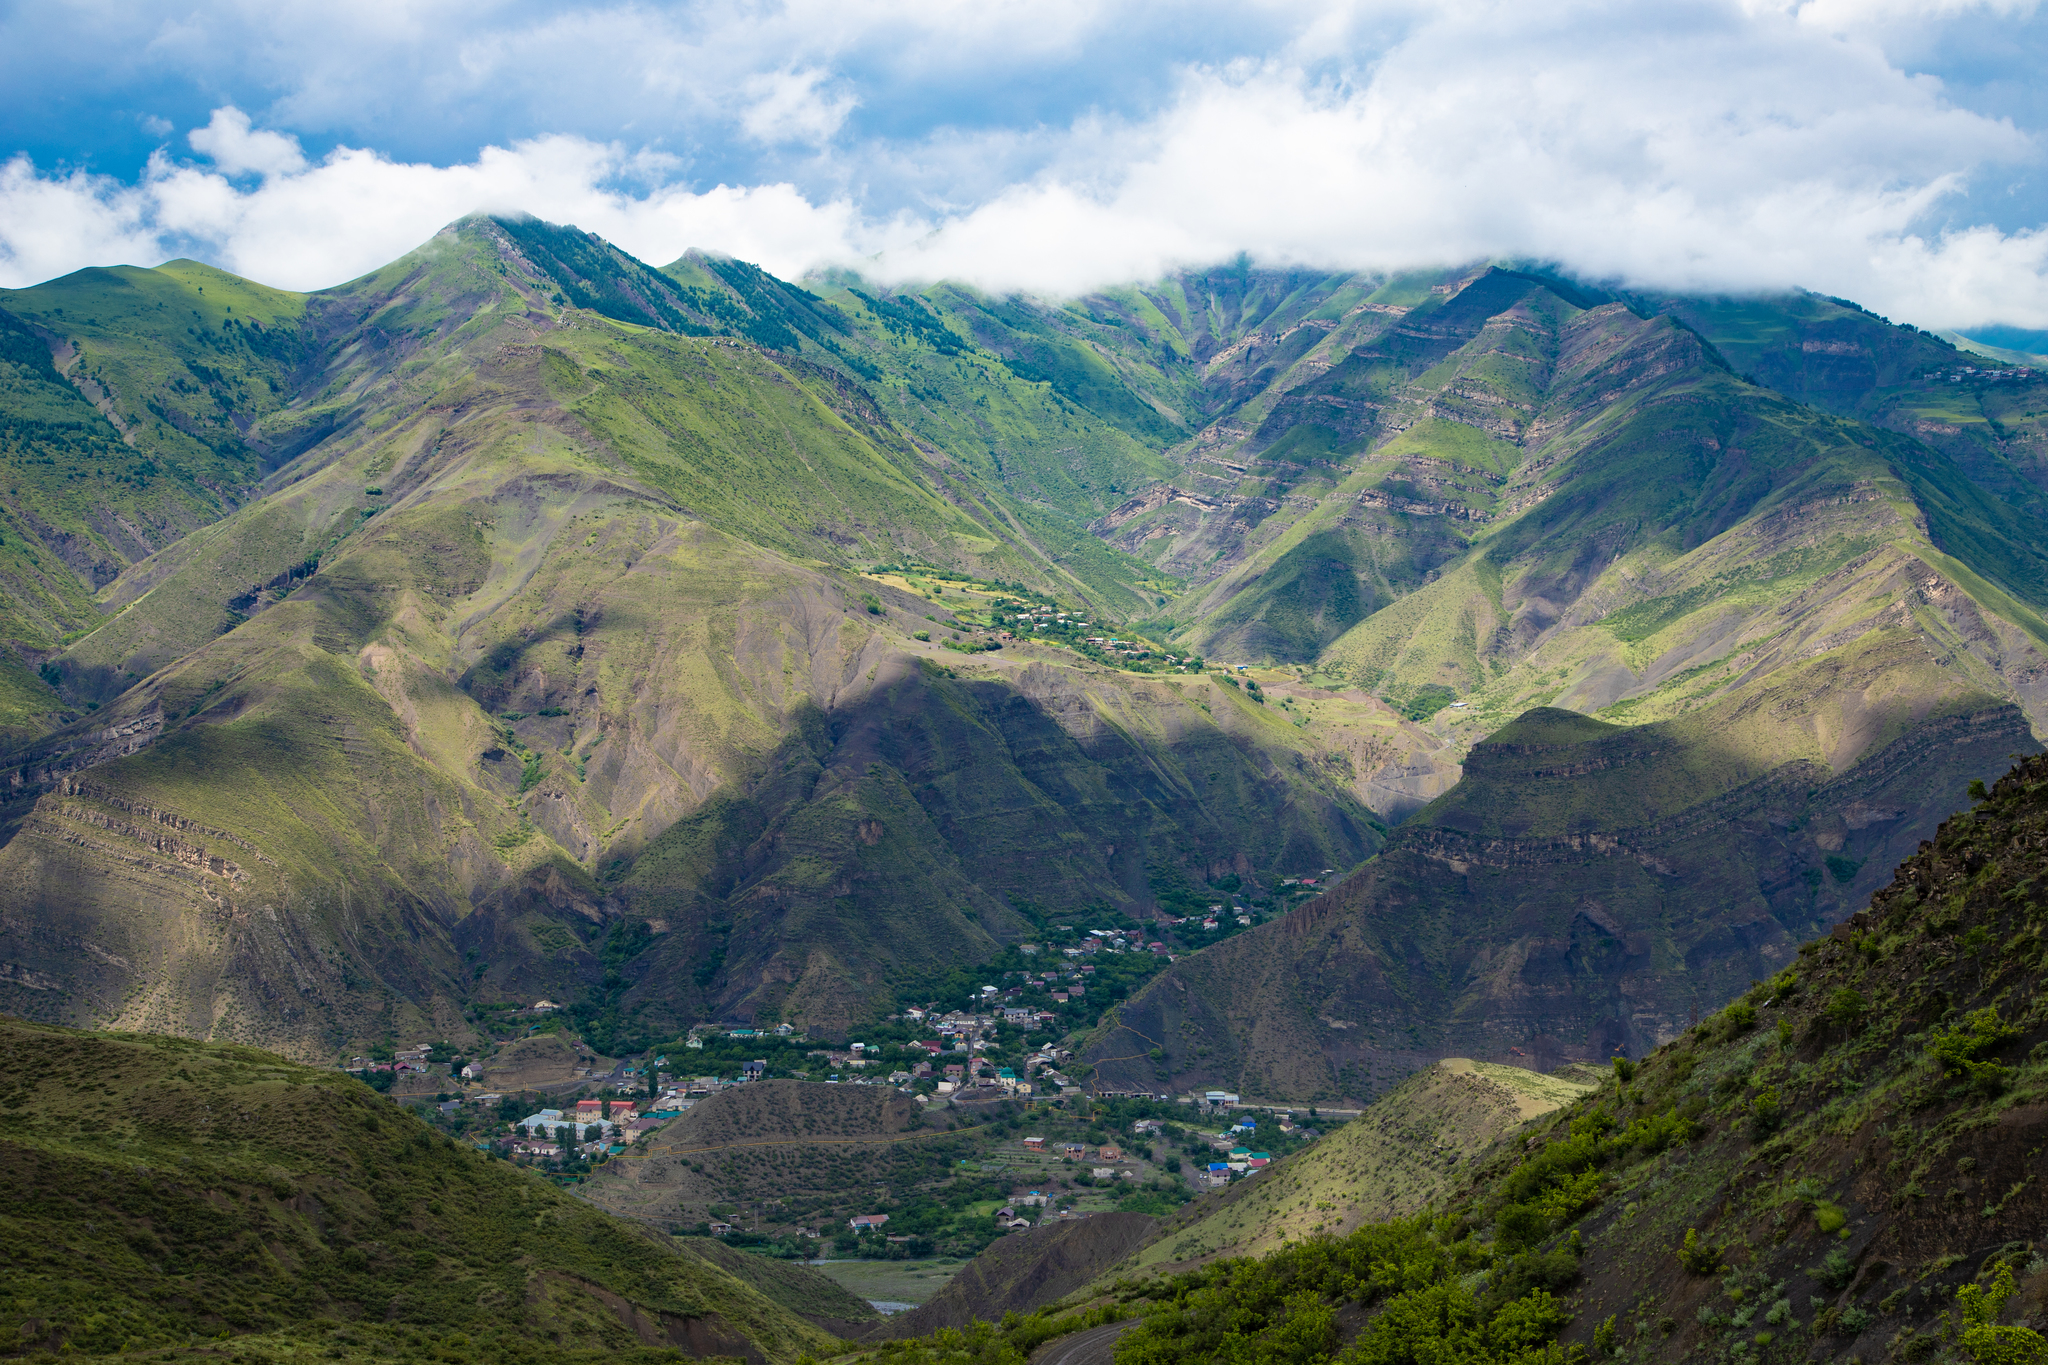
1410, 1149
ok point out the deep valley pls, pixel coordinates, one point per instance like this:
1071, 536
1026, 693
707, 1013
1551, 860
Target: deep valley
1287, 814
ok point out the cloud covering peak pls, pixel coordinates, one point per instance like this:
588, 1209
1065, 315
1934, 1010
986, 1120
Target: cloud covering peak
1704, 146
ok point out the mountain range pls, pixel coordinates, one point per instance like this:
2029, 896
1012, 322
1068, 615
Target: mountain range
521, 619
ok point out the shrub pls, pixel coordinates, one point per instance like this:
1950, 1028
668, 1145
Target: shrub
1537, 1272
1740, 1017
1984, 1340
1651, 1134
1427, 700
1696, 1256
1624, 1070
1959, 1050
1832, 1218
1836, 1269
1607, 1338
1766, 1113
1845, 1007
1519, 1227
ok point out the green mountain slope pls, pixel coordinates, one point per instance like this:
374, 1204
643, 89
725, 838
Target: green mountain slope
534, 653
422, 723
1839, 357
1801, 612
1500, 488
188, 1200
1410, 1149
129, 401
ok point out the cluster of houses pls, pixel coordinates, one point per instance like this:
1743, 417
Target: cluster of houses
1240, 1161
402, 1061
698, 1034
1963, 372
410, 1059
592, 1126
1107, 1157
1010, 1219
961, 1032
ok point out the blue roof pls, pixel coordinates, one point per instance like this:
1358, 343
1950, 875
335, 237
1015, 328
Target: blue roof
1219, 1165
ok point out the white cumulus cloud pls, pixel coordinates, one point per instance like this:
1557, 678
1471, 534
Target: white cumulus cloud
1706, 145
306, 226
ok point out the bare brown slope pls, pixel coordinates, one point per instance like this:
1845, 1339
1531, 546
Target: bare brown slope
1026, 1271
776, 1148
1585, 890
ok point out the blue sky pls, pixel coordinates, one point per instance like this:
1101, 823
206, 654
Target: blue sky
1885, 151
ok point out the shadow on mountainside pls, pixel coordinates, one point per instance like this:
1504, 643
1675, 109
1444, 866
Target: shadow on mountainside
925, 824
1585, 891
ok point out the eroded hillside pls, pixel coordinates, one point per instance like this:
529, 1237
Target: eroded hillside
1586, 889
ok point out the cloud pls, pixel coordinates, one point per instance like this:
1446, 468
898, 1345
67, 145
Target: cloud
1718, 152
1701, 145
51, 225
235, 148
790, 106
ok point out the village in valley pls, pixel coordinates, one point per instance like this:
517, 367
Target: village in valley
1002, 1131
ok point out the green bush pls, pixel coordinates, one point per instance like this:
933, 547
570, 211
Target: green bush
1983, 1339
1845, 1007
1766, 1113
1520, 1227
1836, 1269
1426, 701
1696, 1256
1959, 1050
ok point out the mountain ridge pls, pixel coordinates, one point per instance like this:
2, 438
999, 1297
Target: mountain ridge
559, 607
